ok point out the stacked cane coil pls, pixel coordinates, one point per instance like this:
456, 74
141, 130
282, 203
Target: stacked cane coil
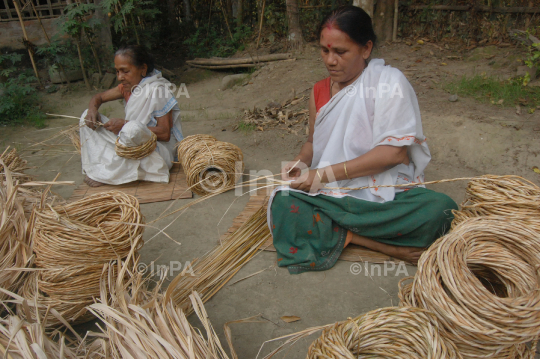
210, 165
73, 246
482, 279
136, 152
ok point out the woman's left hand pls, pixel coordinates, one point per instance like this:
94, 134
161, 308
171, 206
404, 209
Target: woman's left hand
308, 182
114, 125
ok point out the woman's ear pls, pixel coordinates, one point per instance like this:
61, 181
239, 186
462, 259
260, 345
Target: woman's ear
144, 69
368, 47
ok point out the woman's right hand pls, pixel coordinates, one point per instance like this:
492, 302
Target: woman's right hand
92, 119
291, 171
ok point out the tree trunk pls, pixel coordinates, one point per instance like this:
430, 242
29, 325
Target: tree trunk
187, 11
78, 43
239, 12
171, 9
366, 5
295, 38
383, 20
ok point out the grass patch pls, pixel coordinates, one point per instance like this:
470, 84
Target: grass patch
246, 127
491, 90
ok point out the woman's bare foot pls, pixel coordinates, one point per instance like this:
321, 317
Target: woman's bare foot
92, 183
408, 254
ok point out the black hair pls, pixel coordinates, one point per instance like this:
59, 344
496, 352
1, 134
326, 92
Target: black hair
138, 55
353, 21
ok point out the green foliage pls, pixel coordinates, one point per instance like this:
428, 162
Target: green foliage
59, 52
77, 18
129, 15
488, 89
208, 42
18, 102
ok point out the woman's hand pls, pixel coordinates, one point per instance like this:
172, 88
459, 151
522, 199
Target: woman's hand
292, 171
92, 119
308, 182
115, 125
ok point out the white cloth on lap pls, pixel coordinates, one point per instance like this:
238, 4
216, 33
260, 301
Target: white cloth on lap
101, 163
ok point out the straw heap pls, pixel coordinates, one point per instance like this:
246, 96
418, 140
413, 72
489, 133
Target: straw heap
73, 245
136, 152
219, 266
139, 324
513, 197
210, 165
482, 282
15, 247
405, 333
12, 160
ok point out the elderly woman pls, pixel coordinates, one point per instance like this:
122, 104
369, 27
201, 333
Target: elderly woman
365, 133
150, 107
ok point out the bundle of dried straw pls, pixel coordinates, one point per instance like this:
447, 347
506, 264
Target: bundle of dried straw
513, 197
15, 246
219, 266
12, 161
20, 339
73, 245
136, 152
482, 282
405, 333
210, 165
139, 324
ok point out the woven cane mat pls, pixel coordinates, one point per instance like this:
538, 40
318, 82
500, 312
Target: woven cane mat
145, 192
352, 253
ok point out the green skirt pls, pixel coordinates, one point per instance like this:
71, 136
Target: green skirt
310, 231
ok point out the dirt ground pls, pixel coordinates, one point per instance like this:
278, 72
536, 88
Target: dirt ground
466, 138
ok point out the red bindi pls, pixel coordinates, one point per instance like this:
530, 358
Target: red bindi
329, 46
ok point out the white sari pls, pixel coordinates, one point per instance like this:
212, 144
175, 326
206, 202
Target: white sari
151, 99
379, 108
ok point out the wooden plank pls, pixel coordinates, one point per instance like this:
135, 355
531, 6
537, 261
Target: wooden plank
352, 253
145, 192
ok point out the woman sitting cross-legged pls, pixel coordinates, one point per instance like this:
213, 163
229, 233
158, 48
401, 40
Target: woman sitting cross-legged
150, 107
365, 132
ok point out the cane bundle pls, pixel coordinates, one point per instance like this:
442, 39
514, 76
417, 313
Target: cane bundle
482, 282
405, 333
15, 247
73, 245
210, 165
137, 152
217, 267
511, 197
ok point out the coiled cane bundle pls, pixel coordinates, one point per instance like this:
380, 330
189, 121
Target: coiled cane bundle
482, 282
210, 165
136, 152
73, 245
511, 197
405, 333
